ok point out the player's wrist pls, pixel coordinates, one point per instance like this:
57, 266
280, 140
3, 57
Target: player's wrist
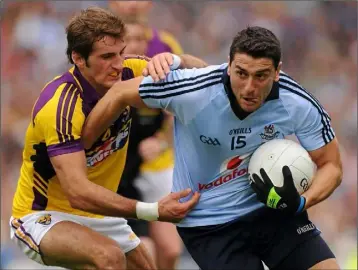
147, 211
176, 62
301, 206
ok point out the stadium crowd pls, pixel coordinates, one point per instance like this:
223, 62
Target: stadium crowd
319, 41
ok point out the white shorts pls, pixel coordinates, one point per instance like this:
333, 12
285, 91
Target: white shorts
153, 186
28, 231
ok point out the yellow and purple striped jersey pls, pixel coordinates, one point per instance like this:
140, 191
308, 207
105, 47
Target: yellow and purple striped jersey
55, 129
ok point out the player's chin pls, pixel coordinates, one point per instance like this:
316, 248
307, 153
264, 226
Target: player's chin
249, 106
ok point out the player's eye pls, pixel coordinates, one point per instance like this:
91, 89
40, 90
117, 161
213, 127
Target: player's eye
106, 56
261, 76
241, 74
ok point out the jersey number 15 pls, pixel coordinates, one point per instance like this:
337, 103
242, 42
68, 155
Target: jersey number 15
238, 142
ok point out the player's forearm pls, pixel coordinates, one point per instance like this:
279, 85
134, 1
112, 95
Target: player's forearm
99, 200
327, 178
106, 111
189, 61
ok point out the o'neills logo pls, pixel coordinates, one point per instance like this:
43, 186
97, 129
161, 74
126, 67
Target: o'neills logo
229, 170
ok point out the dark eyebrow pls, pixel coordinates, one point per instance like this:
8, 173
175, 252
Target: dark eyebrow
108, 54
112, 53
263, 70
242, 69
258, 71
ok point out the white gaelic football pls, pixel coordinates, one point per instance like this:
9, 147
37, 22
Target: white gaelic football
275, 154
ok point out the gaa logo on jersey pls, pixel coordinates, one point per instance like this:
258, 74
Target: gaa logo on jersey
269, 133
209, 141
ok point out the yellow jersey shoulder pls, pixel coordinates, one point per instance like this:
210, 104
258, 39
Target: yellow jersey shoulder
133, 66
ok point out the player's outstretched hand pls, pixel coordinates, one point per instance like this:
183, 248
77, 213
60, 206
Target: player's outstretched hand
171, 210
159, 66
285, 198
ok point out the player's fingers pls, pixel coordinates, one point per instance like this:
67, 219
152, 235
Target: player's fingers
259, 193
259, 184
145, 72
181, 194
287, 177
152, 72
286, 172
266, 179
188, 205
169, 58
158, 68
254, 187
165, 63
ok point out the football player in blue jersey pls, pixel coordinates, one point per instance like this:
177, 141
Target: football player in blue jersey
223, 113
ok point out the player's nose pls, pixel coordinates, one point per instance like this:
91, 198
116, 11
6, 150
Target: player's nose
118, 63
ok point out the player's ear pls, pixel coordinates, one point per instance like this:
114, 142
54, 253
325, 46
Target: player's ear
277, 72
77, 59
228, 66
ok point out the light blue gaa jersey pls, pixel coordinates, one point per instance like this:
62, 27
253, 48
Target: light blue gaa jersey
214, 138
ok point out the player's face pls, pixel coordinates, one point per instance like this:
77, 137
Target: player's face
104, 64
251, 80
135, 39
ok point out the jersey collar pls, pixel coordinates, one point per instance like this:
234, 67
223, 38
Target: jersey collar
239, 112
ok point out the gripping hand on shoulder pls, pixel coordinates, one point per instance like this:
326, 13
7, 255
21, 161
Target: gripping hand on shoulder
160, 65
285, 198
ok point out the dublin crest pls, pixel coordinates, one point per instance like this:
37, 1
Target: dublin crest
269, 133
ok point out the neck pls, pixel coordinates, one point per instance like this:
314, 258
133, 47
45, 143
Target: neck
99, 89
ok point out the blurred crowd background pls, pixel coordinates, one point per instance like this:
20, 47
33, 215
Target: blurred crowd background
319, 41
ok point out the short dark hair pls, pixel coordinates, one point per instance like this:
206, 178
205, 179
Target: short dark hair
89, 26
258, 42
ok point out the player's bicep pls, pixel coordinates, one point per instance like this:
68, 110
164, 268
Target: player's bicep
71, 171
327, 154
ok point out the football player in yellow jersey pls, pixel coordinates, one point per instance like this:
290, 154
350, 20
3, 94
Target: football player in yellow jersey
65, 209
148, 171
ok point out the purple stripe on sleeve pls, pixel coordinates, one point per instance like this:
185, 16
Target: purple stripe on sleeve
64, 114
59, 115
40, 201
72, 109
65, 148
49, 91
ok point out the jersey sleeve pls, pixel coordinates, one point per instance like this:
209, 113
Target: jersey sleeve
136, 64
184, 92
61, 121
312, 124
